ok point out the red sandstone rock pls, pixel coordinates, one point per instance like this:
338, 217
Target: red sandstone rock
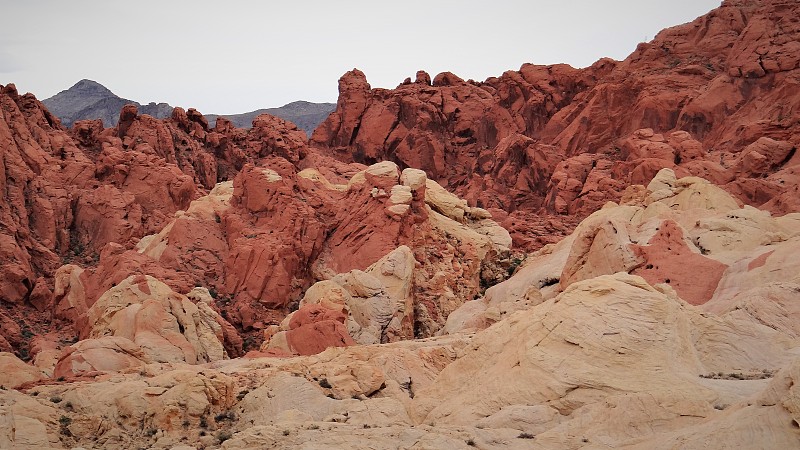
706, 90
668, 259
313, 328
541, 147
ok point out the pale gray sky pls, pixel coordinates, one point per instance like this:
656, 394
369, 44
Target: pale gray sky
235, 56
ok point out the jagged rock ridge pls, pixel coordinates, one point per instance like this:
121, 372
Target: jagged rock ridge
543, 142
306, 115
89, 100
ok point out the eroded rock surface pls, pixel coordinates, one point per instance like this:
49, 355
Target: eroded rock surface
717, 98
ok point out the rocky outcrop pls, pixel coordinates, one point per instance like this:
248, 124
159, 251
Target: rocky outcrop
685, 233
577, 352
263, 241
561, 141
87, 196
611, 347
369, 307
15, 372
139, 321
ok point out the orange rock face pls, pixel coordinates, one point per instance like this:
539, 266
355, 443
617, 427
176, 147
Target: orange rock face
314, 328
87, 195
553, 140
668, 259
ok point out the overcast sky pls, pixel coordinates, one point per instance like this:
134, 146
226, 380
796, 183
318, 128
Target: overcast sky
233, 56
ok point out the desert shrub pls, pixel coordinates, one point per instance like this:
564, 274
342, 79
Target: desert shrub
223, 436
227, 415
548, 282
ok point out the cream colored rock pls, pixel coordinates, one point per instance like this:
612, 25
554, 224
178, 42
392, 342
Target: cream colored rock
316, 177
664, 181
499, 236
283, 393
382, 175
271, 175
689, 193
215, 203
398, 210
739, 233
601, 337
69, 296
329, 294
105, 354
613, 238
167, 326
413, 178
207, 208
26, 423
449, 227
378, 302
333, 435
132, 410
445, 203
536, 280
395, 437
200, 294
763, 289
395, 273
14, 372
400, 195
529, 419
46, 351
469, 317
767, 421
601, 246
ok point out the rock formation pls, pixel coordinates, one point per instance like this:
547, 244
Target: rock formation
263, 243
589, 360
553, 140
170, 284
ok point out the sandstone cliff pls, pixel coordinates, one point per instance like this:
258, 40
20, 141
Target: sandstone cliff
548, 141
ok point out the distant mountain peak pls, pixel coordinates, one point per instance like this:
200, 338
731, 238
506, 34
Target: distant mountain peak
92, 86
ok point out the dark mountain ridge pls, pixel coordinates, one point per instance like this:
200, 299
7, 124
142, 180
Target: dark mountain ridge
90, 100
